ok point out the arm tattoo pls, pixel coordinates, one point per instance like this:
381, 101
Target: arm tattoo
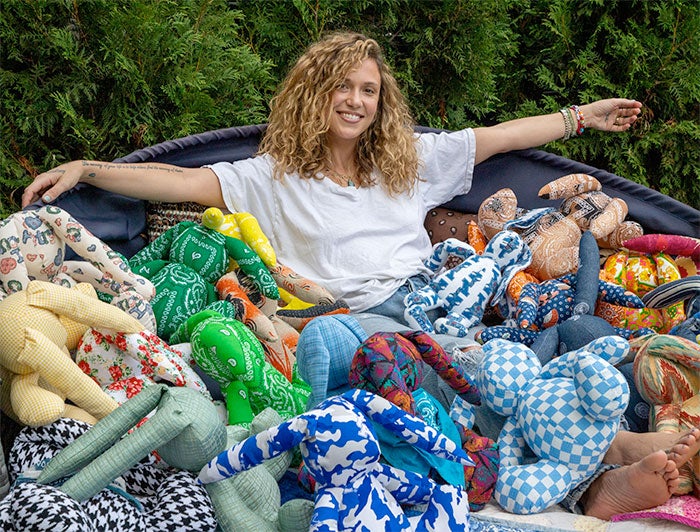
137, 167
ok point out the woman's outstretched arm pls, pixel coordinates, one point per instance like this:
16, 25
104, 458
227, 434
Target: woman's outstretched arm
614, 114
149, 181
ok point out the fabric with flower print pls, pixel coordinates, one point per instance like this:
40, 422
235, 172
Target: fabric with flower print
122, 364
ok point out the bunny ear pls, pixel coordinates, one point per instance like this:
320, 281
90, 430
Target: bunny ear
256, 449
102, 436
444, 365
407, 427
587, 275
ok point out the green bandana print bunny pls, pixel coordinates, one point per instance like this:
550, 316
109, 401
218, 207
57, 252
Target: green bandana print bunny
207, 252
231, 354
184, 263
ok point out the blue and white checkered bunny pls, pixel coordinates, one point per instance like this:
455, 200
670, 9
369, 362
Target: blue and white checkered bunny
465, 290
354, 490
567, 412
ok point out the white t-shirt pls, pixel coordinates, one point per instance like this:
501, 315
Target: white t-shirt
359, 243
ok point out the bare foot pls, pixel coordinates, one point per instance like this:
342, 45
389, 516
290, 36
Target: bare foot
630, 447
644, 484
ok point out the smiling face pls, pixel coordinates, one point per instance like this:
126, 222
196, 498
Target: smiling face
354, 103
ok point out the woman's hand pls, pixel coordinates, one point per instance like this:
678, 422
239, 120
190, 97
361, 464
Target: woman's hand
614, 114
49, 185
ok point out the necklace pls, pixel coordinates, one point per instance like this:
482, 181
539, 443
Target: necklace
343, 180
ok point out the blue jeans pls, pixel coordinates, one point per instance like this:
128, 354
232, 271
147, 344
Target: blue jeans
394, 307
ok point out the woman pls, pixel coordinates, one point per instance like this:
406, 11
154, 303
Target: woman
341, 187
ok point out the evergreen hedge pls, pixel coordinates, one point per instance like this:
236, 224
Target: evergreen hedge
98, 79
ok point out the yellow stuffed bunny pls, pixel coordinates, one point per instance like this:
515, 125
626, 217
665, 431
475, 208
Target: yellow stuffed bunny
243, 226
41, 323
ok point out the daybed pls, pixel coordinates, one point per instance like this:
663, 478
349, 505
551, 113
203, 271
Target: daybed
126, 224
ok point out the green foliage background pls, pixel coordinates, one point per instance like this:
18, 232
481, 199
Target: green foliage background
98, 79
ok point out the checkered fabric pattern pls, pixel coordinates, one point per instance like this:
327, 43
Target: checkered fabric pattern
507, 368
36, 344
566, 412
325, 351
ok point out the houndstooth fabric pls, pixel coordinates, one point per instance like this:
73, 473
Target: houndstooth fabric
154, 499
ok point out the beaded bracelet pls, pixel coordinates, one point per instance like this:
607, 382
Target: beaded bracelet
580, 123
568, 123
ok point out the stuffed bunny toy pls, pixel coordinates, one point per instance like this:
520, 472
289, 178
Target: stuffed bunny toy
354, 488
465, 290
47, 320
567, 412
557, 315
184, 263
553, 234
35, 244
229, 352
185, 430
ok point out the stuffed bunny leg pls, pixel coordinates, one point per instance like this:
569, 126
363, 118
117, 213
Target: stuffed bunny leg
53, 365
256, 449
530, 488
95, 443
447, 507
457, 323
418, 303
252, 265
80, 307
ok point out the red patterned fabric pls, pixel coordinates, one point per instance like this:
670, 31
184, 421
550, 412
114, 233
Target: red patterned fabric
388, 364
480, 480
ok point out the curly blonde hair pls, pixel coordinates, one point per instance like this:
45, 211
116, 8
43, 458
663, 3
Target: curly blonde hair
301, 113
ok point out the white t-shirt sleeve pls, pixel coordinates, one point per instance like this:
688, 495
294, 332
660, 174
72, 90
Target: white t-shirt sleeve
447, 165
245, 184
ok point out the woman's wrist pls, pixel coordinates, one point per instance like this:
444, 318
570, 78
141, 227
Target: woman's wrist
574, 121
